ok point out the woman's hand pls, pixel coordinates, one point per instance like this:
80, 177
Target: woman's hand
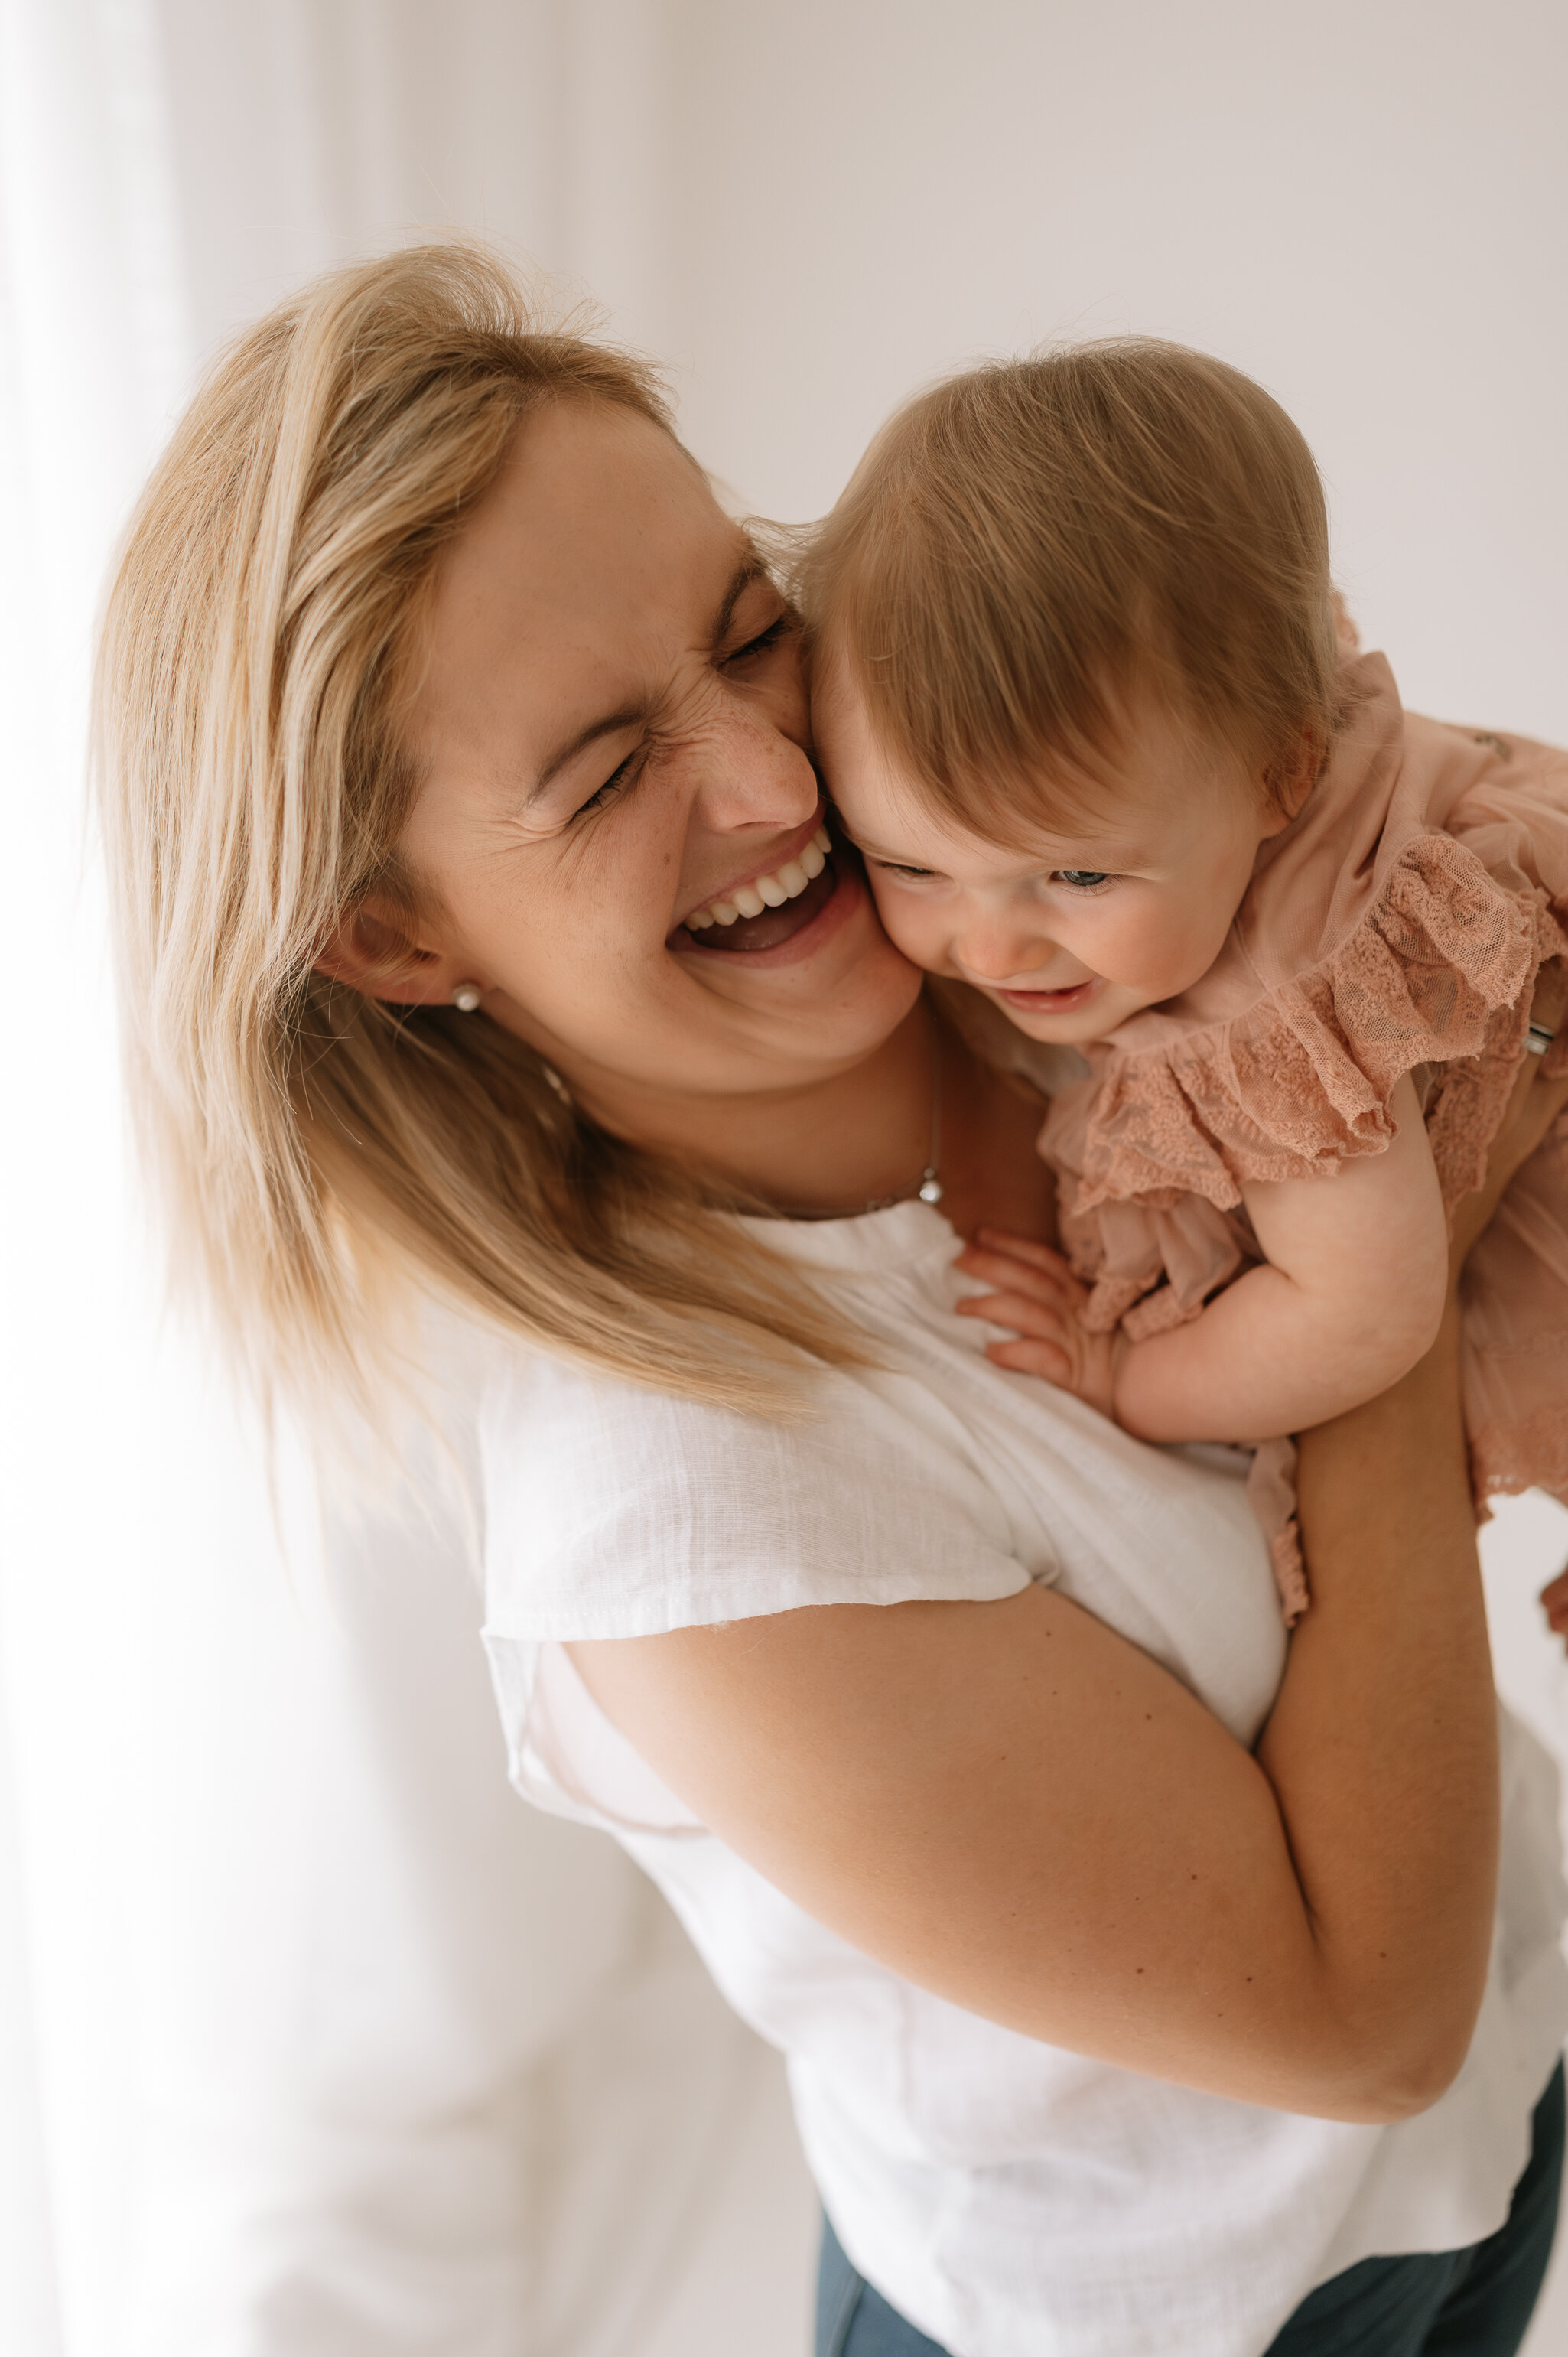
1533, 1107
1036, 1296
1554, 1599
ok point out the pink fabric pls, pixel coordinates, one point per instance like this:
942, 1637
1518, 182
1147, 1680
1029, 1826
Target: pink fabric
1396, 926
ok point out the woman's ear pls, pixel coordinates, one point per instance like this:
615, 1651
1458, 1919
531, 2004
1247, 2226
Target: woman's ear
372, 952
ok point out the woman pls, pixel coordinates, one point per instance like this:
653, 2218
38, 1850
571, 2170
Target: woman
437, 693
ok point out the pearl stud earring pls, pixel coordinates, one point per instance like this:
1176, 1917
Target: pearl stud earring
466, 997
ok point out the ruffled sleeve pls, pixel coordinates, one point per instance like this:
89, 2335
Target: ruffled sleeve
1436, 973
1372, 943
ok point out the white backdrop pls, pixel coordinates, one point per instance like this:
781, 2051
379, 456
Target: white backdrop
251, 1846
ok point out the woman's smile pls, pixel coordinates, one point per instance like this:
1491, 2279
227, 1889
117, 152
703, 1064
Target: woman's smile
772, 887
778, 908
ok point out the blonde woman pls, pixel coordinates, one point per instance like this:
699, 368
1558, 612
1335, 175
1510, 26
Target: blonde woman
1144, 1988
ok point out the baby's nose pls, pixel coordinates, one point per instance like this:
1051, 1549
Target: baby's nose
1003, 954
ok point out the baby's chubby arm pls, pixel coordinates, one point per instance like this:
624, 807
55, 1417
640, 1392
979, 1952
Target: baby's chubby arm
1350, 1298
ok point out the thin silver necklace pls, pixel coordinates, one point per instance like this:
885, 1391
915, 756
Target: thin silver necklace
927, 1189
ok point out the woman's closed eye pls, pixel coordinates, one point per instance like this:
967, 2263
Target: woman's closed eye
625, 773
777, 630
620, 778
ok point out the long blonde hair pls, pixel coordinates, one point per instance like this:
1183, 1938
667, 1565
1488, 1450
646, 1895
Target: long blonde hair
322, 1156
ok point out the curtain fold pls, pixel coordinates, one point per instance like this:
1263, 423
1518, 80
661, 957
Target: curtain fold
315, 2042
94, 352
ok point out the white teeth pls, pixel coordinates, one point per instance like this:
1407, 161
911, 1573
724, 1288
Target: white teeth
766, 891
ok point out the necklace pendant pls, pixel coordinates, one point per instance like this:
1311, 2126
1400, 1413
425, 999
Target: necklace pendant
931, 1189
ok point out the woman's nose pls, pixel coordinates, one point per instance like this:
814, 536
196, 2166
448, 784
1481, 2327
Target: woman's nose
749, 772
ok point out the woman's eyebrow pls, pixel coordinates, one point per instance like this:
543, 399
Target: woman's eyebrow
750, 568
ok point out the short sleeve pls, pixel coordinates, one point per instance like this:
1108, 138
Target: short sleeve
615, 1511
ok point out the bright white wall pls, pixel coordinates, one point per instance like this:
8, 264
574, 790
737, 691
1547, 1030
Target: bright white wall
1364, 203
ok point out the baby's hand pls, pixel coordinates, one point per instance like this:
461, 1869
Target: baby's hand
1554, 1597
1038, 1295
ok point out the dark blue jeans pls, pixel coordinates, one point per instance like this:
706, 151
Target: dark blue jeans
1474, 2303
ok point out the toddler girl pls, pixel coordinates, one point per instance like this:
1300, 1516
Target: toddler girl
1087, 706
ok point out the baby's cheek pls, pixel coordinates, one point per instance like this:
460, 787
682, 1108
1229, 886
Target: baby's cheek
1158, 955
912, 926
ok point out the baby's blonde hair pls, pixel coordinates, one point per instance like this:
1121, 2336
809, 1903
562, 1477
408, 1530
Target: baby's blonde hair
320, 1154
1027, 546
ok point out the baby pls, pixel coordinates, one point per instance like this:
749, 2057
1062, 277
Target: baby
1088, 706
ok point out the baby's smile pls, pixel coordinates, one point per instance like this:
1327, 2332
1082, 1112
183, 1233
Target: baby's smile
1066, 1001
1070, 929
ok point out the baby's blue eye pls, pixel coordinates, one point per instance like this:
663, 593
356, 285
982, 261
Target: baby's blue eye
1082, 878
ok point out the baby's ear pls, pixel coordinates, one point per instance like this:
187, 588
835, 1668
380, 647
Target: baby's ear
1291, 777
1345, 631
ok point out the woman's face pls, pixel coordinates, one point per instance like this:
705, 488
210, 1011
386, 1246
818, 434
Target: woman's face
612, 733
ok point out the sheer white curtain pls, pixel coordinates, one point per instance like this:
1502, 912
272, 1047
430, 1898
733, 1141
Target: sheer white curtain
93, 350
311, 2039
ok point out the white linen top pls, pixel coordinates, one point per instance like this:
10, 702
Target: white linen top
1008, 2197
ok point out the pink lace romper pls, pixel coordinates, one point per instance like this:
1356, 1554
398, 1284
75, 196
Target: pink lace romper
1396, 926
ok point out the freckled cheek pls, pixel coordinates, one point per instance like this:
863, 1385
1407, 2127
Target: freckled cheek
550, 932
783, 699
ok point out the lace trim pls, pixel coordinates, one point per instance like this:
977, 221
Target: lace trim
1437, 973
1528, 1452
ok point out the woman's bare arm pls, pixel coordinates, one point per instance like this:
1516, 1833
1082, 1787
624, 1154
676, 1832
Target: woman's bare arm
1016, 1809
